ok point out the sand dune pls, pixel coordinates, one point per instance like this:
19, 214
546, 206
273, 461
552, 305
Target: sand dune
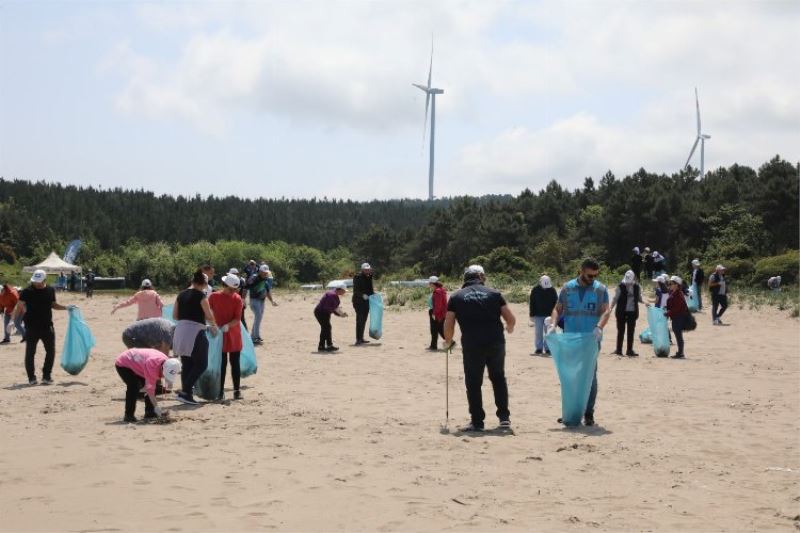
352, 441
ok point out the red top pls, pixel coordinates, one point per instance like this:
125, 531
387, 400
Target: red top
676, 304
228, 307
439, 303
9, 298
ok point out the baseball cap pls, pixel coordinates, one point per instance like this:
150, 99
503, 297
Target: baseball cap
433, 279
38, 276
234, 271
263, 268
676, 279
474, 269
171, 369
696, 262
336, 285
231, 280
366, 266
720, 267
146, 283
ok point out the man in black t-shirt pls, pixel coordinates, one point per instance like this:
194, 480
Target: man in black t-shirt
478, 310
90, 283
36, 304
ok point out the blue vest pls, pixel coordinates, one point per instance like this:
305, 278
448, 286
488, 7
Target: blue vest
582, 316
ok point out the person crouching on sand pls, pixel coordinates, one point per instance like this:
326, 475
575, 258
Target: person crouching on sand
144, 367
329, 305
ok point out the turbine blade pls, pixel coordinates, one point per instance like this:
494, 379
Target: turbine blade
694, 147
697, 104
421, 87
430, 69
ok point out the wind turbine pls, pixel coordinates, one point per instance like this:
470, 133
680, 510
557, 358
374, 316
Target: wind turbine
701, 138
430, 98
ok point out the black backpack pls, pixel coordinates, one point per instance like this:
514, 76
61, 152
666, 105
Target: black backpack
690, 324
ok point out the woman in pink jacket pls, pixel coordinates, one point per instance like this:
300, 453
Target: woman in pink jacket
147, 299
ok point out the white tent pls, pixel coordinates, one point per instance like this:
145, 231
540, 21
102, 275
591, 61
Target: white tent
53, 265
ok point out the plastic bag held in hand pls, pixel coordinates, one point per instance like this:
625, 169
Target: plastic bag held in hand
575, 358
376, 316
78, 342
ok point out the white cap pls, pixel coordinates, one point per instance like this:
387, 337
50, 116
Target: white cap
366, 266
433, 279
545, 282
696, 262
39, 276
636, 249
660, 279
171, 369
338, 285
234, 271
474, 269
676, 279
263, 268
720, 267
146, 283
629, 278
231, 280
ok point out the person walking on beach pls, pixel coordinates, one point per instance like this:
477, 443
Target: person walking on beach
227, 308
636, 263
35, 305
478, 311
191, 312
648, 263
437, 310
678, 311
90, 283
147, 300
8, 301
718, 286
329, 304
260, 290
542, 300
583, 302
698, 278
626, 301
242, 292
143, 368
362, 290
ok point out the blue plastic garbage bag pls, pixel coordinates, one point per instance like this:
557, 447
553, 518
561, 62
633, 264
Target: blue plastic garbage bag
166, 312
645, 337
375, 316
78, 342
659, 330
575, 357
208, 384
691, 301
247, 359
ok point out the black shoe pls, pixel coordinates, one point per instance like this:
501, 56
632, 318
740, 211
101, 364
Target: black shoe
632, 354
33, 381
537, 352
186, 398
678, 356
5, 341
332, 349
47, 381
23, 340
362, 341
547, 352
321, 348
588, 419
616, 352
130, 419
505, 424
237, 395
471, 428
258, 342
432, 348
150, 416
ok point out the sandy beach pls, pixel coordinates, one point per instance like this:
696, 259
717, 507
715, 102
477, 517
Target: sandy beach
353, 441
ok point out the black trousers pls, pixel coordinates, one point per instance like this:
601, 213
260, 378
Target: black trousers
437, 329
493, 359
48, 337
244, 308
134, 382
719, 303
193, 367
325, 328
362, 311
626, 320
236, 372
678, 323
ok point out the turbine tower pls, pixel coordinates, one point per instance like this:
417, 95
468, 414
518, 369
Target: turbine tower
430, 98
701, 138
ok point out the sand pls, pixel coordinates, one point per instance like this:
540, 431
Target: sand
352, 441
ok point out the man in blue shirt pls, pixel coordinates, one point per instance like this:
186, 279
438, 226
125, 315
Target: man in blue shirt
478, 310
583, 302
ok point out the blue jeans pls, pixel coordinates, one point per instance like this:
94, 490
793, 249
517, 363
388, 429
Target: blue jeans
258, 311
699, 298
539, 343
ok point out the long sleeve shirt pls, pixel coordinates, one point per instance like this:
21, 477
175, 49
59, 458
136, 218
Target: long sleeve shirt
328, 303
149, 303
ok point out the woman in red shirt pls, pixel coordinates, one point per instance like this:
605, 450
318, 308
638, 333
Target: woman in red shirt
437, 310
678, 311
227, 308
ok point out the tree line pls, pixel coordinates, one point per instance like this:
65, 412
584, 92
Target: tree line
735, 214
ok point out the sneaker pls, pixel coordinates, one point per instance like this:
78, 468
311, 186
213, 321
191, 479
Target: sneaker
320, 348
678, 356
588, 419
537, 352
5, 341
237, 395
632, 354
471, 428
719, 322
221, 397
186, 398
22, 340
150, 416
47, 381
547, 352
332, 348
362, 341
505, 424
616, 352
715, 322
432, 349
33, 382
130, 419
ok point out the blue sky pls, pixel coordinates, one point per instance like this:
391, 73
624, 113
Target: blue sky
312, 98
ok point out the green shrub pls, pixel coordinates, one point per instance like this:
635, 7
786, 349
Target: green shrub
740, 270
787, 266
